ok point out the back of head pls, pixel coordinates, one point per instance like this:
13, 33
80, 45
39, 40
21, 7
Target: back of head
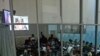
87, 43
52, 35
83, 41
41, 33
32, 35
70, 40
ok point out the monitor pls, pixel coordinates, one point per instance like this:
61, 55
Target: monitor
6, 16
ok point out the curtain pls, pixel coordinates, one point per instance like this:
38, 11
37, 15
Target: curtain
7, 41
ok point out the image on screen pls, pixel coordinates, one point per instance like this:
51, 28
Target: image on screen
7, 16
20, 19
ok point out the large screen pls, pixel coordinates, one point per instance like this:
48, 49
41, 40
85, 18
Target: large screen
20, 19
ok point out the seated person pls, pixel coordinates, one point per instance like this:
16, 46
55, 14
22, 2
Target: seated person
31, 45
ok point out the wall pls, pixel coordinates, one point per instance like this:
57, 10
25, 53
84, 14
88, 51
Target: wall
1, 5
49, 10
22, 35
28, 8
70, 11
88, 11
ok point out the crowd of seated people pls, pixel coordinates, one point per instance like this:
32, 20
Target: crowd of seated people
73, 48
52, 47
48, 46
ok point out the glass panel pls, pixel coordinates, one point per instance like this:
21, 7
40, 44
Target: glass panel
71, 40
88, 11
70, 11
98, 41
0, 42
25, 8
89, 40
49, 40
0, 33
27, 41
50, 11
99, 13
43, 35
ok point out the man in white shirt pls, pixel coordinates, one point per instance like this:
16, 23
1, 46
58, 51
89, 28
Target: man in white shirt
69, 50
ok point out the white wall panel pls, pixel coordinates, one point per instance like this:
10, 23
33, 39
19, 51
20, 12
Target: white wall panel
49, 10
26, 8
70, 11
88, 11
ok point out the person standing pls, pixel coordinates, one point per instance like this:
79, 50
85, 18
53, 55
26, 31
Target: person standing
34, 45
54, 45
43, 45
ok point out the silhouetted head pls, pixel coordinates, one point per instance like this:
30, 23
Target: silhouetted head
41, 32
32, 35
52, 35
70, 40
91, 43
87, 43
83, 41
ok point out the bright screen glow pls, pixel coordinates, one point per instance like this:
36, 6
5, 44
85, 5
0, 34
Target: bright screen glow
20, 19
7, 17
